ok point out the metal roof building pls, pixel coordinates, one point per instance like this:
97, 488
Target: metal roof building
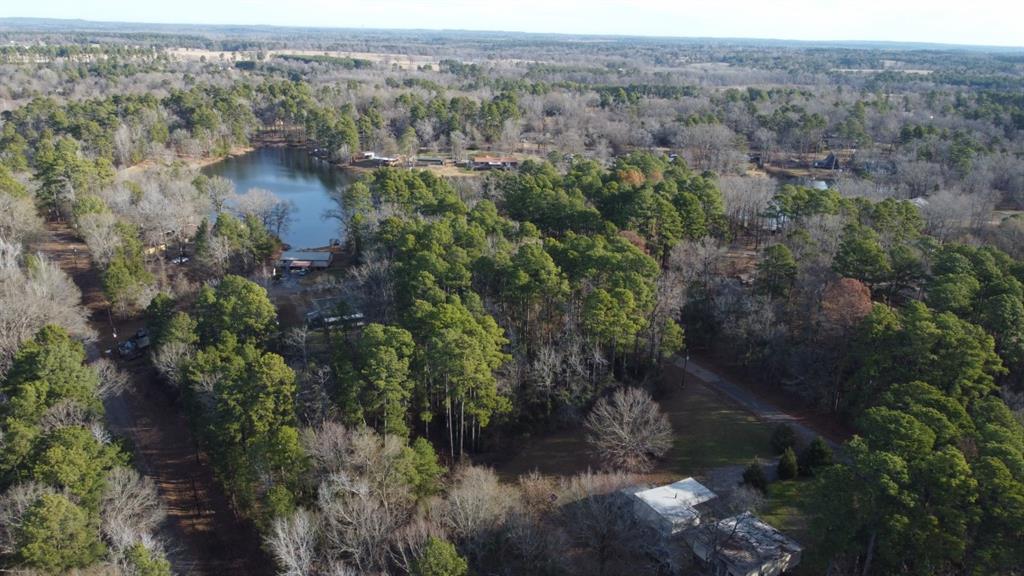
743, 545
303, 259
672, 508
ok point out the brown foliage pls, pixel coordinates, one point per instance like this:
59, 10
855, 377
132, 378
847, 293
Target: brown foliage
844, 303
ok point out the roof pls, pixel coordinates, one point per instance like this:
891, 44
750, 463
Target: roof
677, 501
295, 255
752, 543
494, 159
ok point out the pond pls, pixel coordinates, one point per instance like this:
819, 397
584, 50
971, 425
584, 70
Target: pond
292, 175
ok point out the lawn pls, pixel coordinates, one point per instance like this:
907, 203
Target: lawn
785, 508
711, 431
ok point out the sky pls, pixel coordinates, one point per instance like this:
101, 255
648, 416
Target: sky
978, 22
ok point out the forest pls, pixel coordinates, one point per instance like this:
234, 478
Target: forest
837, 228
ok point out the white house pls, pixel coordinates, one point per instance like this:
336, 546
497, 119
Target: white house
672, 508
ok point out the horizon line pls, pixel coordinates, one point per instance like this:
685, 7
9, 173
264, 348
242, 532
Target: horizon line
909, 43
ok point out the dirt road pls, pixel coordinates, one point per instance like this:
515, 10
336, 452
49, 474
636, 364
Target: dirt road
202, 532
764, 409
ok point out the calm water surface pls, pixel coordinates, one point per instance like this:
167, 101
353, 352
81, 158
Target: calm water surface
292, 175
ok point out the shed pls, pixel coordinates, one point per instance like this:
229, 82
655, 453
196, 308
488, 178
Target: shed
743, 545
305, 259
829, 163
494, 163
672, 508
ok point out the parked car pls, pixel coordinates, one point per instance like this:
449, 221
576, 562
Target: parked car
134, 346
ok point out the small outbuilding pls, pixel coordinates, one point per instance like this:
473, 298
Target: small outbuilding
743, 545
672, 508
298, 260
494, 163
829, 163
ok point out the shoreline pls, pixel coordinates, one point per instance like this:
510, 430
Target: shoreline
191, 162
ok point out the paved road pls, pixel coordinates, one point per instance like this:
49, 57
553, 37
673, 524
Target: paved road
203, 535
760, 407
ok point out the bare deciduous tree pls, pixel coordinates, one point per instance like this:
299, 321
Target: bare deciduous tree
112, 380
32, 297
170, 360
18, 220
598, 517
131, 507
265, 206
100, 235
477, 504
292, 540
629, 430
63, 414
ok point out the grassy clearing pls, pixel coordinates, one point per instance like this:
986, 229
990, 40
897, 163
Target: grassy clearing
711, 431
786, 508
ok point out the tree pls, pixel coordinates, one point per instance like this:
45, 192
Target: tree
754, 476
55, 536
238, 307
783, 437
46, 371
143, 561
18, 219
293, 543
35, 292
460, 348
131, 509
817, 455
423, 472
126, 274
628, 430
439, 558
776, 271
787, 465
382, 377
244, 399
74, 460
860, 256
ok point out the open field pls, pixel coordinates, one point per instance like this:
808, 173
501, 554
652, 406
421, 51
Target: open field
401, 61
711, 432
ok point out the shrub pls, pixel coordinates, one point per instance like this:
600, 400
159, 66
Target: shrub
787, 465
817, 454
440, 559
754, 477
783, 437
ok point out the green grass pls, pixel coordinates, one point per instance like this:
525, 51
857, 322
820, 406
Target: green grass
710, 430
786, 508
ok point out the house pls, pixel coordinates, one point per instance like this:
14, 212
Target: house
371, 159
672, 508
299, 260
432, 161
494, 163
743, 545
829, 163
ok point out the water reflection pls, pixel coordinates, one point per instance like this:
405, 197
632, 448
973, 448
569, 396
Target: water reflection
291, 174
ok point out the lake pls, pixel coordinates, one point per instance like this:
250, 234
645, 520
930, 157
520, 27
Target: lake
293, 175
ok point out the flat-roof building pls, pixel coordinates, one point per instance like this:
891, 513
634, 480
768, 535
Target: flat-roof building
674, 507
305, 259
